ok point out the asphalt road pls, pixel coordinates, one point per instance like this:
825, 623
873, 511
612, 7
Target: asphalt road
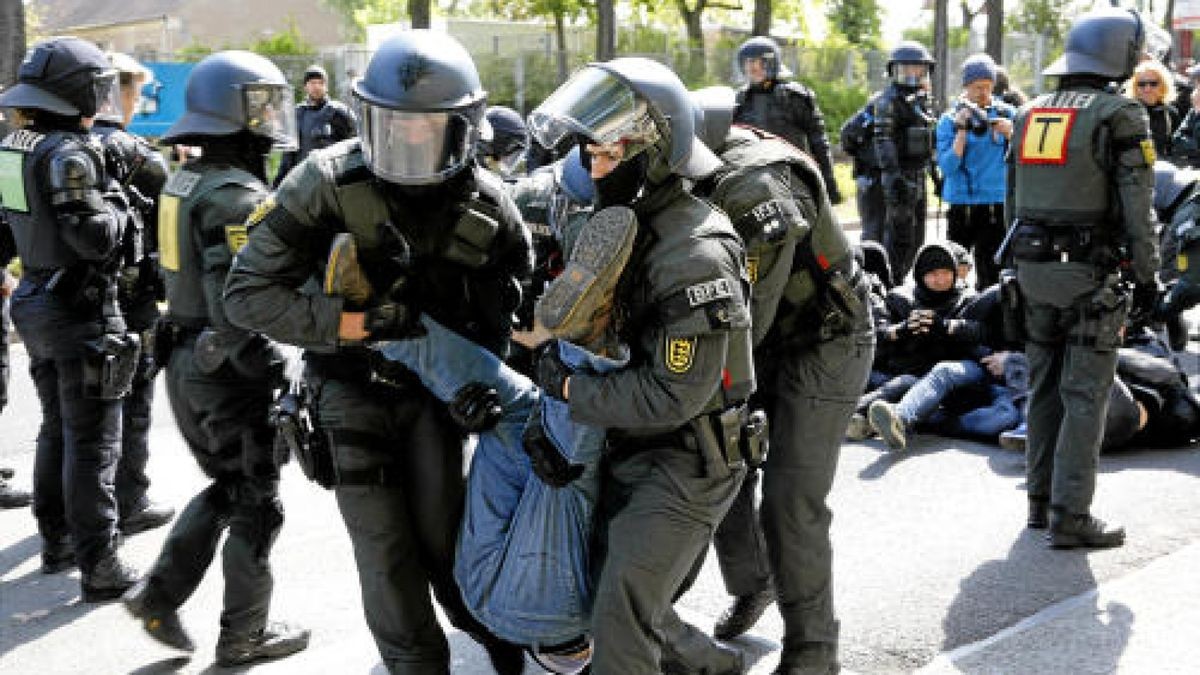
933, 566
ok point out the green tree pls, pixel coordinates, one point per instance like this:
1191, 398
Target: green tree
857, 20
288, 42
1044, 17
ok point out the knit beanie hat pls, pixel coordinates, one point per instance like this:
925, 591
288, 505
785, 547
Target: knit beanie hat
934, 257
978, 67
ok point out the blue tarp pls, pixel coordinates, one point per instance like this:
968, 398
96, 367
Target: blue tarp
163, 99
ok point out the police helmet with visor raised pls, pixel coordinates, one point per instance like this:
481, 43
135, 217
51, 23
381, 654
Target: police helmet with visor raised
767, 52
64, 76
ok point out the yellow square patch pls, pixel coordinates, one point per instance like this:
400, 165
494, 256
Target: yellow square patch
168, 232
1181, 262
264, 207
680, 354
1148, 152
236, 236
1047, 132
752, 268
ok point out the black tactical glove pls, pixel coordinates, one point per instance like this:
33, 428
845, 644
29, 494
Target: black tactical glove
392, 321
1145, 299
549, 371
476, 407
548, 463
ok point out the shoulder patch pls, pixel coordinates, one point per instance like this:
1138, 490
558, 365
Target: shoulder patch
23, 140
680, 353
12, 181
709, 291
264, 207
236, 236
1148, 152
752, 268
1047, 131
181, 183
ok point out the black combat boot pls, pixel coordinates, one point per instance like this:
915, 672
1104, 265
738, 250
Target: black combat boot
161, 623
1039, 513
717, 660
274, 641
148, 518
1072, 530
745, 611
58, 555
812, 658
108, 579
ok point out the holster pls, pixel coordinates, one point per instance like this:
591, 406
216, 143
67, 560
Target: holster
1012, 307
297, 434
1110, 307
109, 363
79, 285
720, 437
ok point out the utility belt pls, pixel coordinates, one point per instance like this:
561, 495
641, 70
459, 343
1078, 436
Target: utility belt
357, 364
109, 364
1061, 241
78, 285
140, 281
727, 440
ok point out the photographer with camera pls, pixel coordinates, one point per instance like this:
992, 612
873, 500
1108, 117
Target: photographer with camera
972, 139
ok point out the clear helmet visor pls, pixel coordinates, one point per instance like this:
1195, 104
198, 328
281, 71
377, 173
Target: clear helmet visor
597, 105
415, 148
270, 111
911, 74
109, 106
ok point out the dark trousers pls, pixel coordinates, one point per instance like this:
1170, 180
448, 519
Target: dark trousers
131, 481
901, 230
78, 445
658, 512
980, 229
223, 418
404, 527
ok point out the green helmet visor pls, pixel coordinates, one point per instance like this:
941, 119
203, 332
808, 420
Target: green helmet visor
416, 148
599, 106
271, 112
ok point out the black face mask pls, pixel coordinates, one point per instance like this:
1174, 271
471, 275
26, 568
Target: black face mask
624, 184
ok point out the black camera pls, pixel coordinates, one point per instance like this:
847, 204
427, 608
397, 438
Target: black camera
977, 122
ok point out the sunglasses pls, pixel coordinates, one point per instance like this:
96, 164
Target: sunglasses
1148, 83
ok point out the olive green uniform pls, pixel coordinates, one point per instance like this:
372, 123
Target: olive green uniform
681, 306
1081, 183
397, 458
220, 384
1181, 257
812, 356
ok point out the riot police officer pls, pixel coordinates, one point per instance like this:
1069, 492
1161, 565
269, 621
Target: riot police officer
440, 236
142, 172
320, 121
813, 348
894, 143
771, 102
676, 413
1177, 205
220, 378
67, 217
1081, 189
502, 149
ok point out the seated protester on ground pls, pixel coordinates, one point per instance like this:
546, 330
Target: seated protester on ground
918, 326
974, 397
522, 560
1185, 142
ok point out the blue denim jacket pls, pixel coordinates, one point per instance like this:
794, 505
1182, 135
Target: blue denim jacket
523, 547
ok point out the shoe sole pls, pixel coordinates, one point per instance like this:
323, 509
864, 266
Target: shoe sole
140, 527
103, 594
596, 262
342, 250
888, 426
1062, 542
272, 656
139, 612
1012, 445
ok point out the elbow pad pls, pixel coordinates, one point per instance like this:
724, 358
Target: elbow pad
75, 179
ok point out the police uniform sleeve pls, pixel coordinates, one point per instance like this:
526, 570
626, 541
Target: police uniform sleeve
1133, 173
685, 365
345, 124
883, 135
286, 239
90, 209
818, 143
769, 221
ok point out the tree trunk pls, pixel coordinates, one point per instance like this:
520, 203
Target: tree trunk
695, 36
606, 30
762, 18
420, 13
994, 42
12, 31
560, 34
941, 50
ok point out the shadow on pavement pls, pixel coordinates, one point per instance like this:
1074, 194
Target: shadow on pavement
1032, 577
171, 665
37, 604
12, 556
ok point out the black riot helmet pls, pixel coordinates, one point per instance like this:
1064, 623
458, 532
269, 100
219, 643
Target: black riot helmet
767, 52
65, 76
235, 91
421, 107
1171, 186
714, 108
634, 101
910, 53
504, 139
1108, 42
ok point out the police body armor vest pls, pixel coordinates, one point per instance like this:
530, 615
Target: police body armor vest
912, 127
315, 125
773, 111
25, 157
822, 247
180, 255
1062, 157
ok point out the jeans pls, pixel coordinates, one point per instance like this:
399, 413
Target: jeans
927, 394
988, 422
522, 557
